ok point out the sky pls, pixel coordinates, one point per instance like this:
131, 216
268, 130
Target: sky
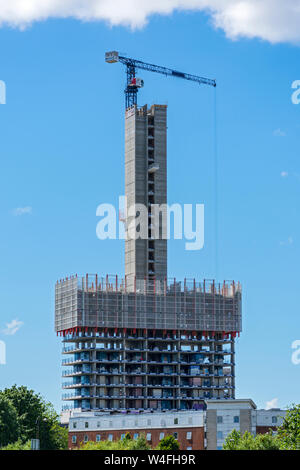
62, 154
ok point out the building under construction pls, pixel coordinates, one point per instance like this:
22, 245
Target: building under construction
145, 342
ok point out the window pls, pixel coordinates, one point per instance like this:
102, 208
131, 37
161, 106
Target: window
74, 439
175, 434
149, 436
135, 436
236, 419
175, 420
189, 435
74, 425
189, 448
161, 436
98, 438
274, 419
122, 436
219, 435
86, 424
219, 419
110, 437
86, 438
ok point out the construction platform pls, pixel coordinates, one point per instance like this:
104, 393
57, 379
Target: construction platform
107, 302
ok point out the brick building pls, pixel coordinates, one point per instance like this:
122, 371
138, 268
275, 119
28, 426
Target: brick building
194, 430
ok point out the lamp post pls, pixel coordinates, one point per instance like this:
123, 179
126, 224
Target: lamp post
35, 443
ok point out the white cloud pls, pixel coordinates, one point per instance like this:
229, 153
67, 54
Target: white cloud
12, 327
272, 20
22, 210
284, 174
279, 133
272, 404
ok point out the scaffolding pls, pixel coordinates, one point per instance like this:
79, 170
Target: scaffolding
109, 302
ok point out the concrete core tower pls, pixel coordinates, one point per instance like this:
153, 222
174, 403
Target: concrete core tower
146, 184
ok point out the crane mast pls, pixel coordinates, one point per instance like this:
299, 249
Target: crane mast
133, 84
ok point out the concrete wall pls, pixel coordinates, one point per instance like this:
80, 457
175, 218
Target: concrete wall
270, 418
136, 184
245, 421
211, 429
225, 416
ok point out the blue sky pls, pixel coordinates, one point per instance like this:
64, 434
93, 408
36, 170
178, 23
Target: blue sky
62, 154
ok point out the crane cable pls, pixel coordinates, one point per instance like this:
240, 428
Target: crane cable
216, 187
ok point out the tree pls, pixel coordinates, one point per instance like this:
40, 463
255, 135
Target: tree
267, 442
232, 441
18, 445
287, 437
140, 443
236, 441
168, 443
289, 431
9, 425
36, 417
127, 443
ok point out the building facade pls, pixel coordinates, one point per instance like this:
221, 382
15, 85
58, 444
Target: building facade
186, 427
168, 350
203, 429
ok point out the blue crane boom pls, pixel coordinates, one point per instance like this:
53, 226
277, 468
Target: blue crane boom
133, 84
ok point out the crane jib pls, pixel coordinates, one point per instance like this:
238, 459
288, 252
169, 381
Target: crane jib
134, 83
178, 74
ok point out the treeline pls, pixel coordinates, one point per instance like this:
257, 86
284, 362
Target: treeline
24, 415
287, 436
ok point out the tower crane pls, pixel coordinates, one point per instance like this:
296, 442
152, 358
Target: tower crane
134, 84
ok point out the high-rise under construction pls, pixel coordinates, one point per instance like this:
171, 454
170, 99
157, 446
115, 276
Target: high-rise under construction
145, 341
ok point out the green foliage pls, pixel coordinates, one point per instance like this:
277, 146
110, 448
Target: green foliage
122, 444
287, 437
236, 441
35, 417
140, 443
289, 431
18, 445
267, 442
58, 436
232, 441
9, 425
168, 443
